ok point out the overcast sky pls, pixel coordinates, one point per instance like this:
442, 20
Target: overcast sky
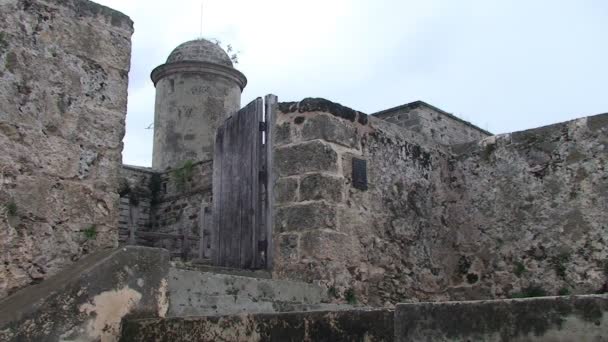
503, 65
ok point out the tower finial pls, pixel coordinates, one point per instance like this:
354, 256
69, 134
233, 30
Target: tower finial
201, 33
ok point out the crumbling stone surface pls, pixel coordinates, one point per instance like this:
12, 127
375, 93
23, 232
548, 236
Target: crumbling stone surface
488, 219
573, 318
165, 202
87, 301
306, 157
63, 99
433, 122
355, 325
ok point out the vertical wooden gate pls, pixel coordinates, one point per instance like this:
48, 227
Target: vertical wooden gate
242, 187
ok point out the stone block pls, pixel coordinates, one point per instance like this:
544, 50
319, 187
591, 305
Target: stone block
282, 135
330, 129
305, 157
321, 187
286, 190
288, 246
328, 245
305, 216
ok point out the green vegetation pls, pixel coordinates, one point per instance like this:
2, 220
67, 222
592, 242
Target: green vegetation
3, 42
182, 175
529, 292
487, 151
463, 265
332, 292
11, 209
472, 278
519, 269
154, 186
90, 232
564, 291
350, 296
559, 264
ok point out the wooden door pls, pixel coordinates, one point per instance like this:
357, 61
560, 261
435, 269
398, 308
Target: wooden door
242, 188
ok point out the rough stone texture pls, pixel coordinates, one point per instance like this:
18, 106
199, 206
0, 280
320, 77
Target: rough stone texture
532, 209
165, 202
347, 326
576, 318
87, 301
330, 129
314, 187
490, 219
306, 157
305, 216
63, 100
196, 293
200, 50
195, 91
433, 122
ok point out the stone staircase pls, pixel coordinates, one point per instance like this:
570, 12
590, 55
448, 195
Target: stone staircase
220, 304
211, 291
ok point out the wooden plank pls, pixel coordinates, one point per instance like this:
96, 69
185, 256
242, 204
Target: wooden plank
163, 236
270, 116
249, 181
228, 191
256, 143
185, 239
215, 248
201, 231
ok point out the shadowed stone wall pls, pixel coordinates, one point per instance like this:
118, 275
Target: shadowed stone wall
63, 100
574, 318
435, 223
165, 202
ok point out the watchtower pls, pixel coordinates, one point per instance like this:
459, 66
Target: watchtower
195, 90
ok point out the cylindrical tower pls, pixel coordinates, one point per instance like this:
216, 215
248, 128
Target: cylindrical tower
195, 90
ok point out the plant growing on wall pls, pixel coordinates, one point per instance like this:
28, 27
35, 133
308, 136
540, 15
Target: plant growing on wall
182, 175
90, 232
350, 296
11, 209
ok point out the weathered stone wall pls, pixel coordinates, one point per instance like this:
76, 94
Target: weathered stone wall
63, 100
573, 318
87, 301
359, 243
165, 202
136, 190
433, 123
437, 224
532, 210
189, 109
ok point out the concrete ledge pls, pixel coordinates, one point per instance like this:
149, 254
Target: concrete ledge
574, 318
354, 325
87, 301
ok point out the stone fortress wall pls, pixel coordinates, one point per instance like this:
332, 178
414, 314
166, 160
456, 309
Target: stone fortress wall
433, 122
495, 218
448, 213
165, 202
63, 99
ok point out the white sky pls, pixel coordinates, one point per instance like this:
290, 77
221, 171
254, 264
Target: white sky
503, 65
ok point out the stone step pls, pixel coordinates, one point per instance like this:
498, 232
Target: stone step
196, 293
204, 265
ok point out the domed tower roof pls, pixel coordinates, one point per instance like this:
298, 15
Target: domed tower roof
200, 50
